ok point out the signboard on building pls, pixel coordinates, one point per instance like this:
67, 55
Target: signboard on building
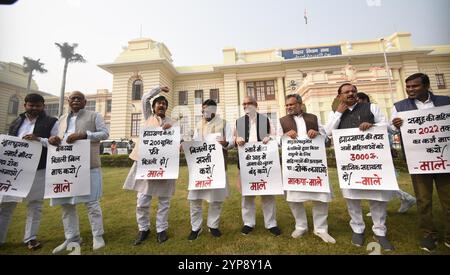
311, 52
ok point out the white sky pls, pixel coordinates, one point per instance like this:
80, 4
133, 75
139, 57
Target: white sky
196, 31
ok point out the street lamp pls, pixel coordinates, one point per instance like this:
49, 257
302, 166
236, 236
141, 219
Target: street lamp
386, 65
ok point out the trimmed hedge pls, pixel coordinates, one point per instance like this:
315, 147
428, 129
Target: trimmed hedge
124, 161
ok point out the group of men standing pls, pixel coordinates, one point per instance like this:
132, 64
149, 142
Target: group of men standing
78, 124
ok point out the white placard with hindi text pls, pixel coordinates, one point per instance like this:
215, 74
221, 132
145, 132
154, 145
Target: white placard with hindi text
426, 140
206, 164
19, 160
260, 169
364, 159
159, 153
68, 170
305, 164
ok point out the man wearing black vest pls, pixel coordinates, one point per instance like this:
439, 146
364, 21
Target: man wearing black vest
295, 123
351, 114
420, 98
33, 124
255, 127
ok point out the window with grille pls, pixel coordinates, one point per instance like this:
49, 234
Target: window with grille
182, 98
135, 124
52, 109
198, 97
137, 89
214, 95
13, 107
90, 105
108, 106
261, 90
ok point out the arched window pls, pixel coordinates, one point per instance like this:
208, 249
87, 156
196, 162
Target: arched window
13, 107
137, 89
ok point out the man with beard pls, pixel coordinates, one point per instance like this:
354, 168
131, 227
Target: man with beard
420, 98
255, 127
33, 124
148, 189
351, 114
80, 124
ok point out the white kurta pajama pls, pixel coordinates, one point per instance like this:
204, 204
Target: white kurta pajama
91, 201
214, 197
35, 197
147, 189
378, 199
296, 199
267, 201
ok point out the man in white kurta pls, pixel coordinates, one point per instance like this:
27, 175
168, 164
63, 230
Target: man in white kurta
148, 189
350, 114
211, 123
407, 201
34, 124
309, 125
81, 124
254, 127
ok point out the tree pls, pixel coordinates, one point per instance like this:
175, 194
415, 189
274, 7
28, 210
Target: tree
30, 65
69, 56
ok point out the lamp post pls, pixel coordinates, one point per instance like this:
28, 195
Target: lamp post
388, 70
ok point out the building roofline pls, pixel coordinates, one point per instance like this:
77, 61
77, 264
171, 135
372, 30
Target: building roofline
336, 57
109, 66
219, 68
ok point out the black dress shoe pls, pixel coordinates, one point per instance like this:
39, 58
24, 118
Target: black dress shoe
33, 245
142, 236
161, 236
215, 232
246, 229
194, 235
275, 231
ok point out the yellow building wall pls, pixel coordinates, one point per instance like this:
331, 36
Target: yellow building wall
6, 92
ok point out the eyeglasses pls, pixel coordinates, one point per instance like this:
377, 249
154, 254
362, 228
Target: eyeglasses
73, 98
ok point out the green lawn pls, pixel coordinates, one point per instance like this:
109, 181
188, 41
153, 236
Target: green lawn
120, 225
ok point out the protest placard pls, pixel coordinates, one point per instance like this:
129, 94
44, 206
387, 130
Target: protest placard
364, 159
260, 169
159, 153
68, 170
205, 164
19, 160
305, 164
426, 140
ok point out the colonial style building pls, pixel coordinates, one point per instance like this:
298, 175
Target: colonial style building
314, 72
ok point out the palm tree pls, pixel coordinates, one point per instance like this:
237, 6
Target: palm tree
69, 56
30, 65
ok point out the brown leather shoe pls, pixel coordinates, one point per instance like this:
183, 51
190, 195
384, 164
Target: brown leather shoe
33, 245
